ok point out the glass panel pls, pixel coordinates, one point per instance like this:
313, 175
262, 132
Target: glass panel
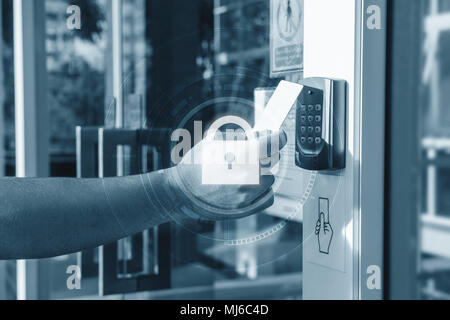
7, 126
76, 97
136, 60
7, 135
76, 77
183, 61
180, 61
258, 257
435, 227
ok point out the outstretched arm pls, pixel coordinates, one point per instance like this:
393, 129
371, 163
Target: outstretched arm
41, 218
50, 217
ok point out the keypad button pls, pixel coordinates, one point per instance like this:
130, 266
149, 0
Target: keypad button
303, 119
310, 140
303, 140
310, 118
310, 108
318, 119
303, 129
318, 107
318, 129
318, 140
303, 108
310, 129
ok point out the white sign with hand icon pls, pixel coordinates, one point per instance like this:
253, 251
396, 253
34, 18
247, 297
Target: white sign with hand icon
327, 234
324, 230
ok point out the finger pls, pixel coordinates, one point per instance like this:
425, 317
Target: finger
265, 182
271, 144
267, 165
265, 201
255, 192
322, 220
219, 213
269, 161
262, 196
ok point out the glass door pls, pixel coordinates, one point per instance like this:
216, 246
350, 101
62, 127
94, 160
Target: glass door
418, 161
168, 65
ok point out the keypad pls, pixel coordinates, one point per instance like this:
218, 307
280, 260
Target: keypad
311, 118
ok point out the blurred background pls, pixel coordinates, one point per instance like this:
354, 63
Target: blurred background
177, 52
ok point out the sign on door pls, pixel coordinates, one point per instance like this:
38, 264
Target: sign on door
286, 37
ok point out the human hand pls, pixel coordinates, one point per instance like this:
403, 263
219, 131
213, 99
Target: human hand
324, 232
218, 202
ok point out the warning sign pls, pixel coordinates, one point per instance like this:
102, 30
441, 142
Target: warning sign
286, 37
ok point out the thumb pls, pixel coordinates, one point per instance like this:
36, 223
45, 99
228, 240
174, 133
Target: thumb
270, 143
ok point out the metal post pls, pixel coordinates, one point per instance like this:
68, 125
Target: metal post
331, 34
431, 183
435, 82
2, 101
434, 123
117, 60
3, 272
403, 152
32, 132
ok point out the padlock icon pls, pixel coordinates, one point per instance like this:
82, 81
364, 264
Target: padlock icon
230, 162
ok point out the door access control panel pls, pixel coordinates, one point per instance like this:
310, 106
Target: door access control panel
320, 125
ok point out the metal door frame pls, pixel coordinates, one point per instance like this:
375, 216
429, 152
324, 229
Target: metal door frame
403, 151
339, 44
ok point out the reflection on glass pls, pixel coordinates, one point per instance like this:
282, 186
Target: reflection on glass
7, 148
76, 97
435, 227
158, 59
267, 263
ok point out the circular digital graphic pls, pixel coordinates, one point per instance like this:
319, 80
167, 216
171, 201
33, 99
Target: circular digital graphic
195, 105
232, 94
